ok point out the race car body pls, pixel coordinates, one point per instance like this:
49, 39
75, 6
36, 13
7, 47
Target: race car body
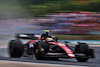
48, 48
65, 48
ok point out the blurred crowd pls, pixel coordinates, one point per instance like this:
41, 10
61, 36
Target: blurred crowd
73, 22
78, 23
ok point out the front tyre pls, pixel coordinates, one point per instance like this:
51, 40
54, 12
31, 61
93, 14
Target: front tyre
15, 48
82, 48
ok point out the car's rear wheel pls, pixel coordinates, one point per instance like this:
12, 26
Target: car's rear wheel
15, 48
40, 48
84, 49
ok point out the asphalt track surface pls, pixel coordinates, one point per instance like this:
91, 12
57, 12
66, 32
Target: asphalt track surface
73, 62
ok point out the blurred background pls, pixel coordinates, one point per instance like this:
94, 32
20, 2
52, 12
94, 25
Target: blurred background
67, 19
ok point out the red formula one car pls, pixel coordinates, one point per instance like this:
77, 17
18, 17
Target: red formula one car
46, 47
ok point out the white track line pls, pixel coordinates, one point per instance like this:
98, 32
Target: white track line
40, 64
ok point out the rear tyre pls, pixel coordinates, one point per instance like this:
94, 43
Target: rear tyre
40, 49
84, 49
15, 48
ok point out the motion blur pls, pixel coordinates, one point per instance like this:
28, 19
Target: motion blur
75, 22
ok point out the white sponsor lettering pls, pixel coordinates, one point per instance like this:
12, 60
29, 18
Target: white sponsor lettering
72, 55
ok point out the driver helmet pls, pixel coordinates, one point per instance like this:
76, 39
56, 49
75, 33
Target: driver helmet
46, 32
49, 39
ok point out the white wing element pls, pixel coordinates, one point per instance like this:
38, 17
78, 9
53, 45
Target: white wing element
23, 35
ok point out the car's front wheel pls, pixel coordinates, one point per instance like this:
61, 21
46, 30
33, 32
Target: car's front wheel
82, 48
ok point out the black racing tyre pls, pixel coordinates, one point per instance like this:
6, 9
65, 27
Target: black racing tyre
40, 49
82, 48
15, 48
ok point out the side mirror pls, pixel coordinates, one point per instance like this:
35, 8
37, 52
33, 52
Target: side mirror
56, 38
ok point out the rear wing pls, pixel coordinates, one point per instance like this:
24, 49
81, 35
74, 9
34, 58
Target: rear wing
27, 36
